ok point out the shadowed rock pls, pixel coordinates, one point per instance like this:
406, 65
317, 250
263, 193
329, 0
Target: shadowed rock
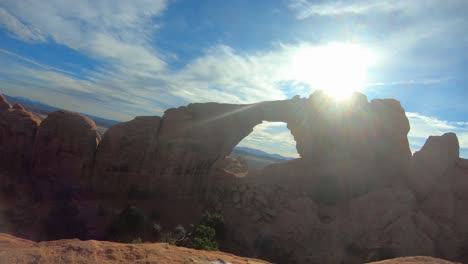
126, 157
65, 142
18, 129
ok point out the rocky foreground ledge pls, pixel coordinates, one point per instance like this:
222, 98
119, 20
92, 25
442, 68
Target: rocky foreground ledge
16, 250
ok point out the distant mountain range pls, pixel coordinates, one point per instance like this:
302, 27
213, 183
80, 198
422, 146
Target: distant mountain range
257, 152
44, 109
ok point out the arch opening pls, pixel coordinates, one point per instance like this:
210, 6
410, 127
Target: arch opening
268, 143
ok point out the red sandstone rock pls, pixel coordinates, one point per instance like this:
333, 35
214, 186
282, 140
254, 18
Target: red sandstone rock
346, 198
16, 250
126, 157
65, 142
17, 135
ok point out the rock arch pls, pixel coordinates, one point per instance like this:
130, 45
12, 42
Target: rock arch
186, 142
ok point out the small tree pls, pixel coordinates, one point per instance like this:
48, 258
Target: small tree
206, 233
204, 238
215, 221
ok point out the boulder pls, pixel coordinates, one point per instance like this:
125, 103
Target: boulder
65, 143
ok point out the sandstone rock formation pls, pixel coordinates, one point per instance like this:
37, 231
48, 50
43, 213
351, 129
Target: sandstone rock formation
65, 143
126, 157
17, 136
356, 193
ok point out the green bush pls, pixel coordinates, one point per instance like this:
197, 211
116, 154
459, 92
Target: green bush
204, 238
215, 221
204, 235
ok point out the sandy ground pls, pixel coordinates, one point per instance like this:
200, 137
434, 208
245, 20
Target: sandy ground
16, 250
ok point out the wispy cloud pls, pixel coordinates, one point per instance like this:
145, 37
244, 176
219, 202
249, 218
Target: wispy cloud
272, 137
306, 8
118, 31
21, 31
409, 82
220, 74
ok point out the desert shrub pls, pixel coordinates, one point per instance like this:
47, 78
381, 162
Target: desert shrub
63, 220
128, 225
179, 232
204, 238
215, 221
204, 235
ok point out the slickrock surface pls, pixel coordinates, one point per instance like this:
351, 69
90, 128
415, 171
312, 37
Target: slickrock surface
15, 250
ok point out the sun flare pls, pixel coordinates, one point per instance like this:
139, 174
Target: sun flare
337, 69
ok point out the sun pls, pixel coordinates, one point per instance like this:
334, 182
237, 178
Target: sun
338, 69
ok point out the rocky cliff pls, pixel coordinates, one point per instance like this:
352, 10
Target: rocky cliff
356, 193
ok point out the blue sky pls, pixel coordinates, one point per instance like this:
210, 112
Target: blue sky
118, 59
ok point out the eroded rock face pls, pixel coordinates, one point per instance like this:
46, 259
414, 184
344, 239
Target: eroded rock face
65, 143
126, 157
355, 194
433, 166
349, 148
18, 129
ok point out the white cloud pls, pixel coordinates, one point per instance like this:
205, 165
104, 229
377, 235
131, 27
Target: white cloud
272, 137
424, 126
409, 82
21, 31
306, 8
116, 30
221, 74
